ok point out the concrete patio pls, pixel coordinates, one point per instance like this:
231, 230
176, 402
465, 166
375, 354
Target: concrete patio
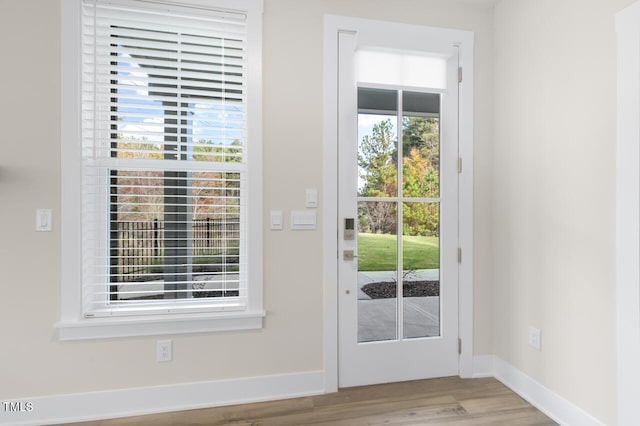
377, 317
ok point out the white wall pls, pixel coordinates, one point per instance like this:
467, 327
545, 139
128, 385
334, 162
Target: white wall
34, 363
554, 195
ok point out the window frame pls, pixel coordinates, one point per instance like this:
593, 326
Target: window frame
73, 325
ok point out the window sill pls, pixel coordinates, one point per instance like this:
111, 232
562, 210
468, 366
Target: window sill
102, 328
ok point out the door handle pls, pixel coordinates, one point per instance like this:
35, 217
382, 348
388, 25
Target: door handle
349, 255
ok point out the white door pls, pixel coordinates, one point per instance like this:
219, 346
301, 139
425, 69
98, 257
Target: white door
398, 211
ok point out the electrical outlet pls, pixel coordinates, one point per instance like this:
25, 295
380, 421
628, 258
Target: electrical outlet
164, 350
534, 338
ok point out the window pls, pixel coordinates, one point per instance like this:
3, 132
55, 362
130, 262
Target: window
169, 154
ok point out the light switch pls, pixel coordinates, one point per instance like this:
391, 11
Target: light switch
303, 220
312, 197
276, 220
44, 219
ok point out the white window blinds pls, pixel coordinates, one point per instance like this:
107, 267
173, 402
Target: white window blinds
163, 158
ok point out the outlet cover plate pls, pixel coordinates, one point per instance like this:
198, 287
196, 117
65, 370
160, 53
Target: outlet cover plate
164, 352
534, 338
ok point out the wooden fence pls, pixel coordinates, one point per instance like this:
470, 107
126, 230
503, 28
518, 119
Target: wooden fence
138, 247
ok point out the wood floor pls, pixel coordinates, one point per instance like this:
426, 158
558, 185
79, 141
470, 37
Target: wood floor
445, 401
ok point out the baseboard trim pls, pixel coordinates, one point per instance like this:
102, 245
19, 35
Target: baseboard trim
151, 400
550, 403
58, 409
483, 366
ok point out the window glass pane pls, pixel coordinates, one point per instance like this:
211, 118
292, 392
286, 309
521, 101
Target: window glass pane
377, 276
421, 269
175, 95
421, 145
174, 234
377, 143
377, 101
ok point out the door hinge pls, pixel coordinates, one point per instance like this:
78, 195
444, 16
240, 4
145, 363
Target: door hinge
459, 255
459, 346
459, 165
459, 74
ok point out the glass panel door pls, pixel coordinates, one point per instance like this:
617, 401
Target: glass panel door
397, 243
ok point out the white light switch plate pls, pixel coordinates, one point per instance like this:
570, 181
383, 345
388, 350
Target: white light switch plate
312, 197
44, 220
276, 220
303, 220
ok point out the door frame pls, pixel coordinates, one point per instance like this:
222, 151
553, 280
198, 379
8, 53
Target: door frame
628, 213
464, 40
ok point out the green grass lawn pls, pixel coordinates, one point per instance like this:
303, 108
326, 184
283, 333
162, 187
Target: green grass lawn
377, 252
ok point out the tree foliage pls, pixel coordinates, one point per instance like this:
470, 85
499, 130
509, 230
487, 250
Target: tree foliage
141, 193
377, 161
377, 169
424, 134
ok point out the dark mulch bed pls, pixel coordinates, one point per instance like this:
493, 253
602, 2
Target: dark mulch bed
387, 289
216, 293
